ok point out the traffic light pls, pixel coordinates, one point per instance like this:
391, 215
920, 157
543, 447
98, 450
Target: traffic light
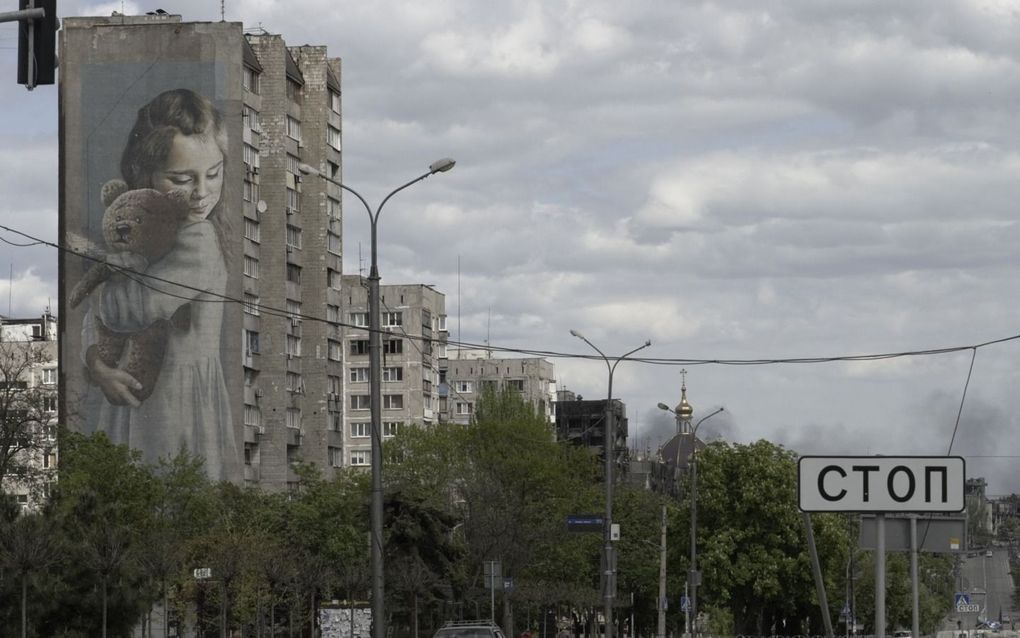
37, 60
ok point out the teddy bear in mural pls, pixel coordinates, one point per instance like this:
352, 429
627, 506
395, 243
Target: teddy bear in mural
143, 222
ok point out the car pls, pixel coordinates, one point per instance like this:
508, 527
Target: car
901, 633
469, 629
988, 553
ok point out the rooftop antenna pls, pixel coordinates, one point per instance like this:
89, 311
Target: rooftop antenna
460, 343
223, 11
361, 262
10, 291
488, 335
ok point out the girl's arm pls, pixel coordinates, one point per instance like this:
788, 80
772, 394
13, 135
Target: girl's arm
132, 301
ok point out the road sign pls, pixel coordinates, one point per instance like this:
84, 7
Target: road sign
685, 603
881, 483
971, 608
961, 597
203, 573
585, 523
937, 533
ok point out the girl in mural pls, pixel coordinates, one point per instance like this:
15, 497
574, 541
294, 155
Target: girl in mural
178, 144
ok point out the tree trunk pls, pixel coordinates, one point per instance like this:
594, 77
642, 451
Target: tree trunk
311, 614
223, 610
166, 611
24, 605
414, 614
104, 606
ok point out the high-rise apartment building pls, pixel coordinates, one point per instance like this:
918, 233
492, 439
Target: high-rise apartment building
28, 407
467, 373
414, 344
234, 330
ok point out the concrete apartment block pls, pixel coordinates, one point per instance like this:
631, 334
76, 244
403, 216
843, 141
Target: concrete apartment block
414, 320
469, 372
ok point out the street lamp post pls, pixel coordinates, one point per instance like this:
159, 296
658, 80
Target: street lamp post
695, 576
609, 451
375, 381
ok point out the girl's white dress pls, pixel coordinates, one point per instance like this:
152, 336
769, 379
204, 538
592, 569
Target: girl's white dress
189, 407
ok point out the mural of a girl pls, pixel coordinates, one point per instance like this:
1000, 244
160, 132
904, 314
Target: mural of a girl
177, 144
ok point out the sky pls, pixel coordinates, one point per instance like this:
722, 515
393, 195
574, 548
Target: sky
730, 180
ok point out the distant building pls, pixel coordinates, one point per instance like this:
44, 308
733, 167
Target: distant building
467, 373
414, 343
28, 406
582, 422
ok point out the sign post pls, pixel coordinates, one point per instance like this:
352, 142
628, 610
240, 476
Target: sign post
880, 485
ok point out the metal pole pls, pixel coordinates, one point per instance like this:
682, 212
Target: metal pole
687, 612
916, 626
816, 570
375, 392
609, 451
694, 577
880, 575
661, 627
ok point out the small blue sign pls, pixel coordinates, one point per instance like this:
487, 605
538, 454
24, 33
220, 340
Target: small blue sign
961, 597
685, 603
846, 609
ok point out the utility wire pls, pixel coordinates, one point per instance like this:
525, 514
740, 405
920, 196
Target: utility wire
551, 354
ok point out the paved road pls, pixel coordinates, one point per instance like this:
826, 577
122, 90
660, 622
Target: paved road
989, 583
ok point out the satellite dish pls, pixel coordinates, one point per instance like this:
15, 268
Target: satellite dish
261, 206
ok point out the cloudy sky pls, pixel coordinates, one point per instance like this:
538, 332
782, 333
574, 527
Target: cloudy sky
732, 180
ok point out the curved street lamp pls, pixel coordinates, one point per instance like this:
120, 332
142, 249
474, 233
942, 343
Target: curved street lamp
608, 449
695, 577
375, 381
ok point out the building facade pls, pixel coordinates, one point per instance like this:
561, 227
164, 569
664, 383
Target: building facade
582, 422
466, 374
237, 326
28, 408
414, 343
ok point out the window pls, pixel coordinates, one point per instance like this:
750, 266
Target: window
49, 459
335, 421
294, 90
249, 376
252, 415
359, 319
293, 236
250, 117
359, 346
49, 376
294, 382
360, 430
333, 348
333, 384
333, 278
359, 375
293, 346
293, 164
294, 310
336, 456
392, 319
251, 230
333, 137
360, 457
249, 453
293, 417
251, 341
332, 313
251, 191
251, 267
361, 402
251, 304
515, 384
250, 156
465, 408
390, 428
463, 386
393, 402
50, 403
333, 208
333, 243
442, 322
293, 201
250, 79
293, 128
334, 101
393, 346
393, 374
294, 273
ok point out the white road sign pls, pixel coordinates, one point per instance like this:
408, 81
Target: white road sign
881, 483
